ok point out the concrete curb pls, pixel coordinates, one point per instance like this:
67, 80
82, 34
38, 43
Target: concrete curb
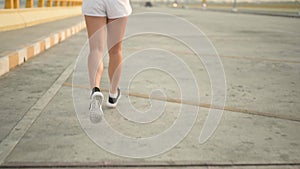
12, 19
15, 58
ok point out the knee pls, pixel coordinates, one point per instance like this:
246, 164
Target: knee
96, 51
115, 51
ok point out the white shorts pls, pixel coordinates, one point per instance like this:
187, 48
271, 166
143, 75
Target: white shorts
110, 8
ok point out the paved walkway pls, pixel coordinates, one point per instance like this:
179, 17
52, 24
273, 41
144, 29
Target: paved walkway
259, 128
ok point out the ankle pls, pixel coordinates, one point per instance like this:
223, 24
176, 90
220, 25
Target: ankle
95, 89
113, 94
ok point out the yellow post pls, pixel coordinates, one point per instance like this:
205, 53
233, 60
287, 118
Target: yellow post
16, 4
63, 2
56, 2
49, 3
9, 4
71, 3
41, 3
29, 3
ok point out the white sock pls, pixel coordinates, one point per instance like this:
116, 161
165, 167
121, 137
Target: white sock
115, 95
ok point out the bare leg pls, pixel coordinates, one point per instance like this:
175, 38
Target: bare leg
96, 28
115, 33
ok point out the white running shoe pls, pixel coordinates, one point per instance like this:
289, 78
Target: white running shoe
95, 109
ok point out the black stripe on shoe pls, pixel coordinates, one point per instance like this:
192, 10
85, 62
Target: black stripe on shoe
112, 102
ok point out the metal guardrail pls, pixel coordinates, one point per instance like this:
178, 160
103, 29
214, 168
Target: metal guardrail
286, 8
15, 4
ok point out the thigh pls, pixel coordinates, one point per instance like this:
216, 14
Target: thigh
115, 32
96, 28
118, 8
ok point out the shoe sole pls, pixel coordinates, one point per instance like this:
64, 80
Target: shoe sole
98, 96
96, 117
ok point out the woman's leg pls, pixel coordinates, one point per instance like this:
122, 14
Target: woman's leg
115, 33
96, 28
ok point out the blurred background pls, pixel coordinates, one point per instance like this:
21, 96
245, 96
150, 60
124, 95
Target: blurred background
288, 7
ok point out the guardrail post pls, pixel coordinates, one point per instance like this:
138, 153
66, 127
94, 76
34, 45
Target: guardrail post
297, 3
9, 4
71, 3
41, 3
204, 5
29, 3
56, 3
49, 3
63, 3
234, 9
16, 4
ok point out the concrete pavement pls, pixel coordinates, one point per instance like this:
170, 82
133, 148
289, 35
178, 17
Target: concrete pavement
259, 128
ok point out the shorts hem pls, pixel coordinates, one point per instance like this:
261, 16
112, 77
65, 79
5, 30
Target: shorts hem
119, 16
95, 15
